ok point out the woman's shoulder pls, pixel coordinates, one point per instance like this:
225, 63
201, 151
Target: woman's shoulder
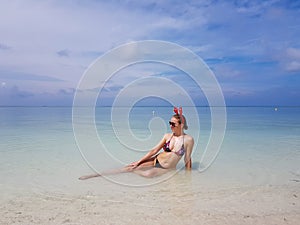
167, 136
188, 137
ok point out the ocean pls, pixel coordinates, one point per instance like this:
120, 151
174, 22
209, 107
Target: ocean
40, 155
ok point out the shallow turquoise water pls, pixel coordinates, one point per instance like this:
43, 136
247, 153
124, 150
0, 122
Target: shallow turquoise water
37, 146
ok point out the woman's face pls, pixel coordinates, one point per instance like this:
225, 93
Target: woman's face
174, 124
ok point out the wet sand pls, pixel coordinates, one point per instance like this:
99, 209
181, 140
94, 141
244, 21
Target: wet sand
171, 202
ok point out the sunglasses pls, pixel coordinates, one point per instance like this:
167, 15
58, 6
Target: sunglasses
172, 124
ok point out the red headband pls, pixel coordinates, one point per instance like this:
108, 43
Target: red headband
180, 113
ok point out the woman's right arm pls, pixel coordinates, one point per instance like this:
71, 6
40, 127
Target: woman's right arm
151, 153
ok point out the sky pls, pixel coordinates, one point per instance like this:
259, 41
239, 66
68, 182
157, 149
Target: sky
252, 47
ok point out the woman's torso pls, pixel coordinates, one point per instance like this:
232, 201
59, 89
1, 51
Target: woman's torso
169, 160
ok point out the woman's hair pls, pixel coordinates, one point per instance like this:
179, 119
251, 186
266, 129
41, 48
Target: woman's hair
177, 116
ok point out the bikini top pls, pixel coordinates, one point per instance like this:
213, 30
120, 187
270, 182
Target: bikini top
180, 152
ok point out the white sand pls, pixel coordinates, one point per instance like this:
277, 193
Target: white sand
101, 202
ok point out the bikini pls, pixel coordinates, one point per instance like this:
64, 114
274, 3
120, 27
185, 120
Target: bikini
157, 164
166, 148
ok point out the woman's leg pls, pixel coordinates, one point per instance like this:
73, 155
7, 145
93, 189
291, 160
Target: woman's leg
126, 169
109, 172
151, 172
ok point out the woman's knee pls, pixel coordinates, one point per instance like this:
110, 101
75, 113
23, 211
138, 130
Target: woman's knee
149, 173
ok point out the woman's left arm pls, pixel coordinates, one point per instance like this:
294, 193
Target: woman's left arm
187, 156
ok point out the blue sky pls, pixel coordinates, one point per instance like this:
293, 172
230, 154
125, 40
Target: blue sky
253, 47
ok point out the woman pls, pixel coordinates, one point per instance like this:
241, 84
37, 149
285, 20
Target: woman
175, 145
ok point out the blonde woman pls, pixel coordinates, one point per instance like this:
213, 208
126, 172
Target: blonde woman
174, 146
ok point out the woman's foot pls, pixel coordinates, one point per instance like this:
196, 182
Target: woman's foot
89, 176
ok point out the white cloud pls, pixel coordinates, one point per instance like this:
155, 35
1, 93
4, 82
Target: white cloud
293, 53
256, 7
35, 34
40, 32
292, 59
293, 66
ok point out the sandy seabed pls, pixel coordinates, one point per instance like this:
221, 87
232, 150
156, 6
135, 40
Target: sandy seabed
267, 204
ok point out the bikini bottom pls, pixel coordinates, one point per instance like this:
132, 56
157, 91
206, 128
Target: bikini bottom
157, 164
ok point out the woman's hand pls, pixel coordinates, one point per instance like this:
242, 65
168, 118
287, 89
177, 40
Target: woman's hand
133, 165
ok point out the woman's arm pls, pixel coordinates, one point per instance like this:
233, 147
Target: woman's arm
187, 156
131, 166
151, 153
